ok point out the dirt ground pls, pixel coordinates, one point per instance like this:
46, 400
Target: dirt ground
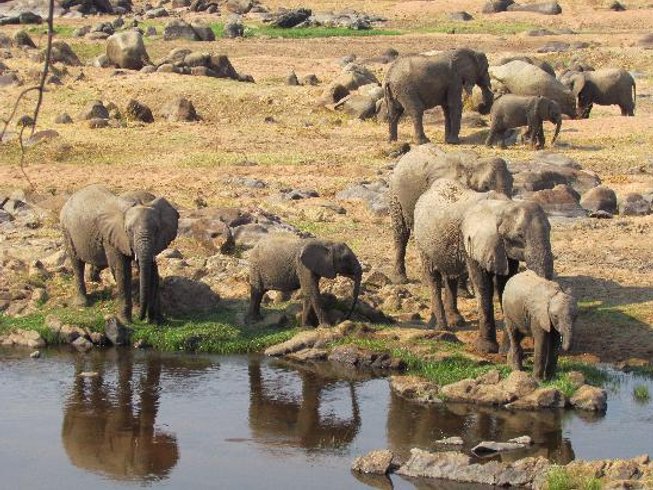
278, 134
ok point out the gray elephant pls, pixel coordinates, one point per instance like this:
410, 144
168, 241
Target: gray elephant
456, 228
285, 263
610, 86
540, 308
103, 230
418, 169
513, 111
521, 78
416, 83
531, 61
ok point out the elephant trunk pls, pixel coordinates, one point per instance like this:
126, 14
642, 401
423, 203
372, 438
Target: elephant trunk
558, 124
145, 264
538, 254
488, 99
566, 338
357, 278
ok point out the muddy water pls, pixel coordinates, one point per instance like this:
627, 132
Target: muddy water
183, 421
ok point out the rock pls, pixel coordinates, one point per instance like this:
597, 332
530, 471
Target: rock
179, 29
94, 110
29, 18
520, 384
139, 112
214, 235
374, 194
488, 448
179, 109
576, 378
99, 339
97, 36
634, 204
496, 6
415, 388
127, 50
288, 18
440, 465
97, 123
460, 16
377, 462
203, 31
116, 332
36, 354
156, 13
62, 53
355, 76
233, 29
310, 79
101, 61
22, 39
540, 398
359, 106
82, 344
450, 441
150, 31
590, 398
81, 31
617, 6
600, 198
562, 200
546, 170
239, 7
546, 8
181, 297
298, 194
333, 94
309, 355
291, 79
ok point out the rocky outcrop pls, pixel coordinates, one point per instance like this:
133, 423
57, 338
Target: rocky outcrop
180, 29
590, 398
600, 198
378, 462
374, 194
634, 204
179, 109
127, 50
415, 388
187, 62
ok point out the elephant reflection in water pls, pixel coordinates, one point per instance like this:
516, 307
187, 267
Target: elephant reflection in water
412, 425
108, 429
283, 419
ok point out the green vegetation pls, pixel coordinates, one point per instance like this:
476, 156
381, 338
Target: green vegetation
560, 479
593, 376
641, 393
59, 31
266, 31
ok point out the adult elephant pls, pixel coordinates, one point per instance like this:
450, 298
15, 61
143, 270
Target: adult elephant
103, 230
458, 229
521, 78
418, 169
416, 83
610, 86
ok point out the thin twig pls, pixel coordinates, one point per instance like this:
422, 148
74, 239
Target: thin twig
22, 157
46, 64
15, 109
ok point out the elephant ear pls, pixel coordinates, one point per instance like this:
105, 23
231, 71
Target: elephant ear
318, 258
539, 306
168, 223
577, 85
111, 223
483, 242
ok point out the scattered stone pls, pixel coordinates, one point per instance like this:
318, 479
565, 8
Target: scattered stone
179, 29
617, 6
374, 194
291, 79
179, 109
520, 384
97, 123
82, 344
239, 7
22, 39
460, 16
590, 398
546, 8
116, 332
139, 111
287, 18
233, 29
36, 354
377, 462
600, 198
127, 50
540, 398
415, 388
62, 53
94, 110
150, 31
562, 200
310, 79
634, 204
156, 13
298, 194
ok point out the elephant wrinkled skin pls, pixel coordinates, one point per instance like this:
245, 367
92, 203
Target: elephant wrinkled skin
603, 87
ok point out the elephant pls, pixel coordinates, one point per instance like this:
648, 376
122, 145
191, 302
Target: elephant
521, 78
538, 307
531, 61
512, 111
419, 82
285, 262
418, 169
103, 230
484, 232
609, 86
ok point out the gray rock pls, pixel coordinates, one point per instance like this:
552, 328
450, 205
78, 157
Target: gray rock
179, 29
600, 198
634, 204
239, 7
97, 123
291, 79
374, 194
298, 194
488, 448
179, 109
203, 31
150, 31
116, 332
62, 53
287, 18
82, 344
460, 16
233, 29
94, 110
22, 39
310, 79
156, 13
139, 111
561, 201
127, 50
546, 8
374, 463
97, 36
590, 398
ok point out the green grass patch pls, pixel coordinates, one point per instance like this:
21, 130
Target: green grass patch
560, 479
266, 31
59, 31
641, 393
593, 376
478, 27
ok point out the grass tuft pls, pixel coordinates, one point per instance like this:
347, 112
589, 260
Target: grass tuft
641, 393
559, 478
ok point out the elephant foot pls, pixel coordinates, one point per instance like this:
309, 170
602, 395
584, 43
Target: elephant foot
452, 141
423, 140
455, 320
399, 278
253, 317
434, 325
486, 346
80, 301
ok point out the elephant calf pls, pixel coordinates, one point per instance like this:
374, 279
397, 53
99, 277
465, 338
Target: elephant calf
513, 111
287, 263
536, 306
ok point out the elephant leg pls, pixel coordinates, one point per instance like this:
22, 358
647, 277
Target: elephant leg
154, 305
81, 299
256, 293
501, 280
454, 318
540, 136
516, 353
395, 111
453, 111
552, 357
309, 317
540, 353
120, 266
94, 274
415, 110
401, 235
484, 289
434, 280
311, 292
465, 288
492, 136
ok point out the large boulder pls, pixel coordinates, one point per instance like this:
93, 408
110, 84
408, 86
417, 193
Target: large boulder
179, 29
179, 109
496, 6
127, 50
562, 200
287, 18
546, 8
600, 198
139, 112
62, 53
634, 204
181, 296
590, 398
546, 170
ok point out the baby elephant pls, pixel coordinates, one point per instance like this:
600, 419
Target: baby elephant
539, 307
286, 263
513, 111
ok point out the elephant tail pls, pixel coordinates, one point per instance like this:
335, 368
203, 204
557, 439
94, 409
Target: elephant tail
634, 96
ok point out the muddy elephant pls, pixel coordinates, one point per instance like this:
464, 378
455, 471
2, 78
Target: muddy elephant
610, 86
298, 420
456, 228
531, 61
513, 111
286, 263
521, 78
416, 83
534, 306
418, 169
109, 424
103, 230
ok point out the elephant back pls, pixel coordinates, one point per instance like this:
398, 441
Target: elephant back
273, 261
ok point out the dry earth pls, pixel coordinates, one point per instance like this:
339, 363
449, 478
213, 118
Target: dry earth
277, 133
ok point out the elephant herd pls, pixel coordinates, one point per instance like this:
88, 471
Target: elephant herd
527, 93
457, 206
